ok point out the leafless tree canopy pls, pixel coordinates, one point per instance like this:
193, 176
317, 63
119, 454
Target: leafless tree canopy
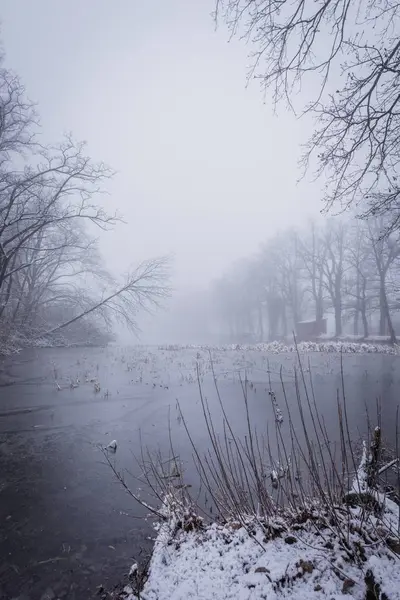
349, 49
51, 272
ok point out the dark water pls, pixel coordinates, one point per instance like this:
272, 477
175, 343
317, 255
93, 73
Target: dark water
67, 526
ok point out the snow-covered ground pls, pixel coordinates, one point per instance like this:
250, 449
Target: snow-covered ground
226, 562
349, 344
302, 347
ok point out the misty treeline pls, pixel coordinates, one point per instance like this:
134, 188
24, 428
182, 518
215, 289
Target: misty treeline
343, 268
336, 62
53, 282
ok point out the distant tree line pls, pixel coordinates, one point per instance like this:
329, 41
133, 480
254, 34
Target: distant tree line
52, 278
347, 269
344, 57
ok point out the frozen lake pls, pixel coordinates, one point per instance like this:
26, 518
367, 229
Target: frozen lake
67, 525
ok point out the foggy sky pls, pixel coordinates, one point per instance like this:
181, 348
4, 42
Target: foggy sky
205, 170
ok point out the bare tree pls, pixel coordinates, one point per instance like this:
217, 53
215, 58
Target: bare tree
17, 115
51, 273
386, 251
54, 268
223, 300
347, 266
288, 261
274, 290
251, 296
143, 288
334, 268
58, 189
350, 51
312, 252
361, 283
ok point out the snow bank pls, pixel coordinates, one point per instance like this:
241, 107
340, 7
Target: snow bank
297, 555
281, 348
226, 563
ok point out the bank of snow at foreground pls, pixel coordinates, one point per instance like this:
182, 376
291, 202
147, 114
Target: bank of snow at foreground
304, 561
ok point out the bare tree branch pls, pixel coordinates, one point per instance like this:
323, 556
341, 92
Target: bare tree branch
350, 52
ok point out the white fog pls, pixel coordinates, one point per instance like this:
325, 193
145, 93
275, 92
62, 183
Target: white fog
199, 300
205, 171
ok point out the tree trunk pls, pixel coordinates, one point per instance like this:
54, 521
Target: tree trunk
364, 319
382, 311
7, 296
92, 308
319, 310
284, 322
356, 319
357, 308
338, 304
260, 323
363, 308
271, 322
338, 320
296, 318
385, 312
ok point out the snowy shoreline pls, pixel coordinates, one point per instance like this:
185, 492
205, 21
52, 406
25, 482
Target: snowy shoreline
15, 346
287, 557
316, 547
302, 347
